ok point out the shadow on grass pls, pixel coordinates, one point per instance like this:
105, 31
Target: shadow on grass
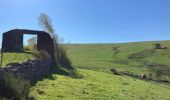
72, 73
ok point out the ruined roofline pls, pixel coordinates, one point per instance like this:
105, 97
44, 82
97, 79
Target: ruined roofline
26, 31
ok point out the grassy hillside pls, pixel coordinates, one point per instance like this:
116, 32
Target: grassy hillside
93, 63
98, 86
133, 57
15, 57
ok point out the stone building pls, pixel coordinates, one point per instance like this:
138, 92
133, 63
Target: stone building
13, 41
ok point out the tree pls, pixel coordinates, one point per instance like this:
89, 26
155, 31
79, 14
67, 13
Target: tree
32, 41
45, 22
60, 56
32, 44
157, 45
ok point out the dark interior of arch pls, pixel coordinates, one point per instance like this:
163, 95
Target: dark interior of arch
13, 41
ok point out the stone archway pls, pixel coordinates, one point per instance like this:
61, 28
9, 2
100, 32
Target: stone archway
13, 41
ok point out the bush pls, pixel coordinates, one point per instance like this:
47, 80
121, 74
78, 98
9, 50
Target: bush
150, 76
157, 45
27, 48
61, 58
41, 55
158, 73
114, 71
16, 88
127, 73
30, 47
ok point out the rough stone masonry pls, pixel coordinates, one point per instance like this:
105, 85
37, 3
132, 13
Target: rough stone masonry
30, 70
13, 41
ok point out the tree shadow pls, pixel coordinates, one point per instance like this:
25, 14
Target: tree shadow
72, 73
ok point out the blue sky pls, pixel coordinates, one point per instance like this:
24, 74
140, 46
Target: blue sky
92, 21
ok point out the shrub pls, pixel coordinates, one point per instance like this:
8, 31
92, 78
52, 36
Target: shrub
16, 88
27, 48
157, 45
41, 55
114, 71
127, 73
150, 76
30, 47
158, 73
61, 58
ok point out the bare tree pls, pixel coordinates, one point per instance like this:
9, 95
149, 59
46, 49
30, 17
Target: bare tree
45, 23
60, 56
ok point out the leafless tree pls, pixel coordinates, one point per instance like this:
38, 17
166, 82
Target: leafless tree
61, 58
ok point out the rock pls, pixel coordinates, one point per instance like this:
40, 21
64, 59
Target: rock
30, 70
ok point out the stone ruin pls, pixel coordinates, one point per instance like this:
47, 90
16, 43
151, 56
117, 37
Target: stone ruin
30, 70
13, 41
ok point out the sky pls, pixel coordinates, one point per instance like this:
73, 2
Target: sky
91, 21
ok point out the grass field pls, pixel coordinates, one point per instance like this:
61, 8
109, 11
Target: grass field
15, 57
98, 86
93, 62
101, 57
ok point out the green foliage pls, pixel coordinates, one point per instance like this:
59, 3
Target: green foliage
158, 73
16, 88
32, 44
157, 45
32, 41
30, 48
150, 76
41, 55
114, 71
61, 58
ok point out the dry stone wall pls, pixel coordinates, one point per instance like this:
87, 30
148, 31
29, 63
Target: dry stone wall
30, 70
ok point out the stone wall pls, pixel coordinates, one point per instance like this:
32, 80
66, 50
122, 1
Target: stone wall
30, 70
12, 41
